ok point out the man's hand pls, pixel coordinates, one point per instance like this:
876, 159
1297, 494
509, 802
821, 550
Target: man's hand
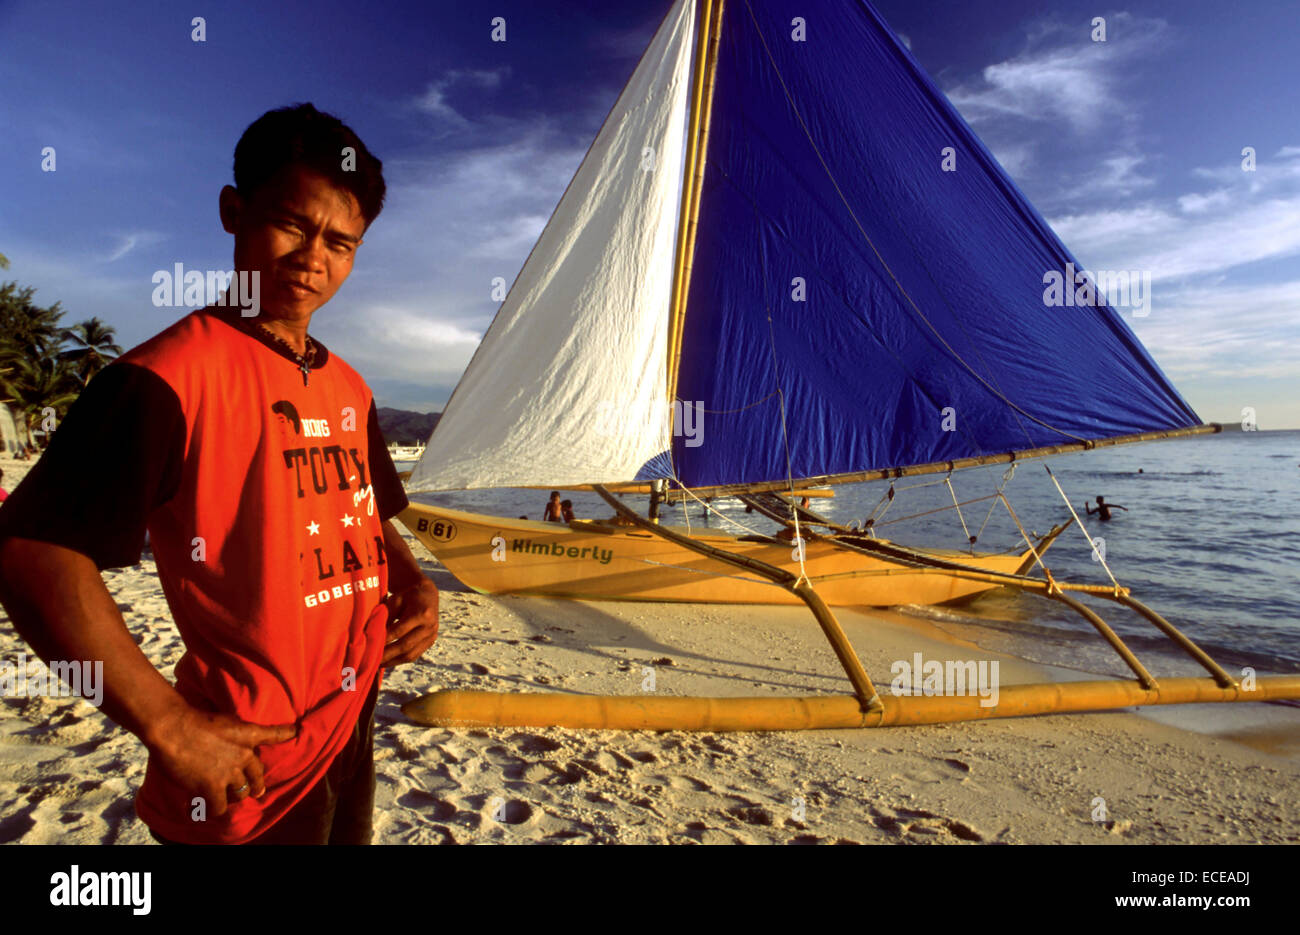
412, 624
215, 755
59, 604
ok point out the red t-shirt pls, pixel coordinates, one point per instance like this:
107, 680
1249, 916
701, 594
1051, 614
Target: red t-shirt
264, 499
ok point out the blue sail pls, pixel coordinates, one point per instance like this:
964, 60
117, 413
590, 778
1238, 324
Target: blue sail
922, 332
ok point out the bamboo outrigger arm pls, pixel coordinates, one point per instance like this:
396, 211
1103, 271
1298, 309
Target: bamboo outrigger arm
1050, 588
862, 687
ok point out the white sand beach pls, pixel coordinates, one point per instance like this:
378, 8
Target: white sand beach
67, 775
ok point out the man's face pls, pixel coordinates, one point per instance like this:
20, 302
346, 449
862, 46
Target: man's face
300, 233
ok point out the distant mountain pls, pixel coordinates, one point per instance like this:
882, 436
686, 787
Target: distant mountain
403, 427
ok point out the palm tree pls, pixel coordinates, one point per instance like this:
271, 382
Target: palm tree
33, 329
33, 387
32, 377
92, 349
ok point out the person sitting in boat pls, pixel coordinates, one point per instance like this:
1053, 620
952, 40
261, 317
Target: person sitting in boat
1103, 509
566, 510
554, 512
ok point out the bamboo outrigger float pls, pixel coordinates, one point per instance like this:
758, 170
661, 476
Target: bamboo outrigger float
595, 331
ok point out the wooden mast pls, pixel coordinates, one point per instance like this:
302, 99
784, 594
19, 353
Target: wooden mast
708, 33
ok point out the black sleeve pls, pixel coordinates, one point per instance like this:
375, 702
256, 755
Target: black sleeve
390, 496
115, 457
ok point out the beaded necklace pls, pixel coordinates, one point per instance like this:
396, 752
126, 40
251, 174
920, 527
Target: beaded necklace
304, 361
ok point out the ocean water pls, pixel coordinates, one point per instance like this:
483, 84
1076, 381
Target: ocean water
1210, 539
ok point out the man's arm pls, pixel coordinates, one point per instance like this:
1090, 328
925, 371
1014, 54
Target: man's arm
57, 531
60, 606
413, 626
413, 598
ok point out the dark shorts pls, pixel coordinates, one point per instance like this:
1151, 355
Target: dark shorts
339, 809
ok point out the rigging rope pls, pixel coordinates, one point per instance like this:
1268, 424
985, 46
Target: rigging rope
1096, 553
1029, 542
735, 522
969, 538
1006, 478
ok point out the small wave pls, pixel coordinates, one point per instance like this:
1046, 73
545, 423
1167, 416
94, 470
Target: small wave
1153, 473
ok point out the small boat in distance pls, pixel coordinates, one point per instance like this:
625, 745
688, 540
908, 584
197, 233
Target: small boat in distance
405, 453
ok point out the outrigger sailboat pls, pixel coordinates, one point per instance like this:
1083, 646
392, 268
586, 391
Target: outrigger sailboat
787, 261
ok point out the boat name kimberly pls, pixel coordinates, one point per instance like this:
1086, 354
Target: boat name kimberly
555, 548
956, 677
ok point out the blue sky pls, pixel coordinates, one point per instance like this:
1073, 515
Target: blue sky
1131, 148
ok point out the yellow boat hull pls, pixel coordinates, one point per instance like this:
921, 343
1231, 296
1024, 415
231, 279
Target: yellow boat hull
601, 561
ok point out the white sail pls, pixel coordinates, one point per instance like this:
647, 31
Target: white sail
569, 384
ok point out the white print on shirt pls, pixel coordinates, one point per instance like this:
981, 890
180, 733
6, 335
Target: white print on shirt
356, 585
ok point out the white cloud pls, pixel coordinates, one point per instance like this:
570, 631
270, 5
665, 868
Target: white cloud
1073, 83
126, 242
1118, 175
1197, 203
1243, 332
434, 99
1256, 216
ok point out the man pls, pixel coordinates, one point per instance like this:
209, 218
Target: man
1103, 509
253, 458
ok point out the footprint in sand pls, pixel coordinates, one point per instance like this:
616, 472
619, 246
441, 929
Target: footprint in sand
686, 783
427, 804
924, 824
751, 815
534, 743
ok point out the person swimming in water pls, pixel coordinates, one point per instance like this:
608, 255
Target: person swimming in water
1103, 508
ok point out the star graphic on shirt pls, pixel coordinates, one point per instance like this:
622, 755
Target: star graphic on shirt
313, 528
348, 519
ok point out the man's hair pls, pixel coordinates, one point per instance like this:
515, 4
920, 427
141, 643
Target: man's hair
302, 135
